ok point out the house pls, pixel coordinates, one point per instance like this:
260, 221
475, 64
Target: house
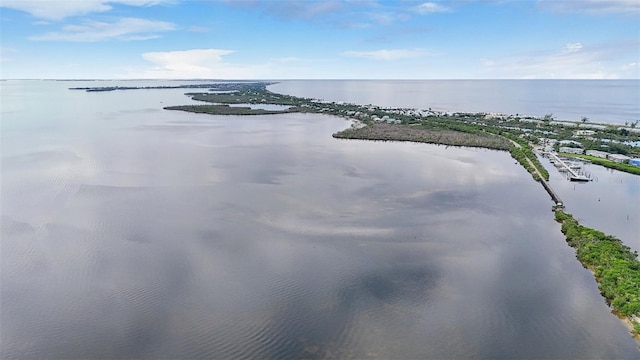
570, 142
550, 142
584, 132
571, 150
635, 162
619, 158
597, 153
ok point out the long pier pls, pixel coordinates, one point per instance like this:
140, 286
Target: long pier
552, 193
554, 196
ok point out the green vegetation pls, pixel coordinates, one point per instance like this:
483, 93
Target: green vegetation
384, 131
519, 154
632, 169
523, 153
253, 95
615, 266
224, 110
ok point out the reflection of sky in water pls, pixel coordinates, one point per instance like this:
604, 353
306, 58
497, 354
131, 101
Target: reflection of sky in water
167, 234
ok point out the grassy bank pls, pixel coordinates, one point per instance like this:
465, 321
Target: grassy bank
523, 153
632, 169
615, 266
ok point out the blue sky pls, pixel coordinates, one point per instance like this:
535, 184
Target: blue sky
356, 39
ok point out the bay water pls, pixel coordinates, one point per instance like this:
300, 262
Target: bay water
129, 231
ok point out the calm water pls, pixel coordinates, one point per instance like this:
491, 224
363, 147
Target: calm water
610, 101
610, 203
129, 231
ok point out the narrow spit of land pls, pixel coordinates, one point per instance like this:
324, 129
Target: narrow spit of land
616, 268
229, 86
223, 109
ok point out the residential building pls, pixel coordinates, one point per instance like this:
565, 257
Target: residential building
584, 132
619, 158
571, 150
597, 153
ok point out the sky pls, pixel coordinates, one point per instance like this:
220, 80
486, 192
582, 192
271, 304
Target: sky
330, 39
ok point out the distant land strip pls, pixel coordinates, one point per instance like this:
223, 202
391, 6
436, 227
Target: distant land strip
223, 86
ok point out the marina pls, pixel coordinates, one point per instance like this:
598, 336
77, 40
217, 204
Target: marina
573, 169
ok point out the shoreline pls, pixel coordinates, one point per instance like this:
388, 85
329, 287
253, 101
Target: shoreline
614, 266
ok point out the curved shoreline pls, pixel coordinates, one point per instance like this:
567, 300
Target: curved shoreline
615, 267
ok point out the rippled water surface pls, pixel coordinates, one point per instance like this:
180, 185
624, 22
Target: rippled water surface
129, 231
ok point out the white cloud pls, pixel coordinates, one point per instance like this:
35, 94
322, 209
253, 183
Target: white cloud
387, 18
60, 9
631, 70
4, 52
628, 7
572, 61
430, 8
387, 54
215, 64
569, 48
170, 59
195, 63
123, 29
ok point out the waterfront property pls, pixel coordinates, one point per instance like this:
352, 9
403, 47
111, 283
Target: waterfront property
571, 150
619, 158
584, 132
597, 153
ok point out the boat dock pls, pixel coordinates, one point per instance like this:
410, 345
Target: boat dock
573, 175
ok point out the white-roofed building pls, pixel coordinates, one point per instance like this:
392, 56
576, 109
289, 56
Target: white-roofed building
619, 158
